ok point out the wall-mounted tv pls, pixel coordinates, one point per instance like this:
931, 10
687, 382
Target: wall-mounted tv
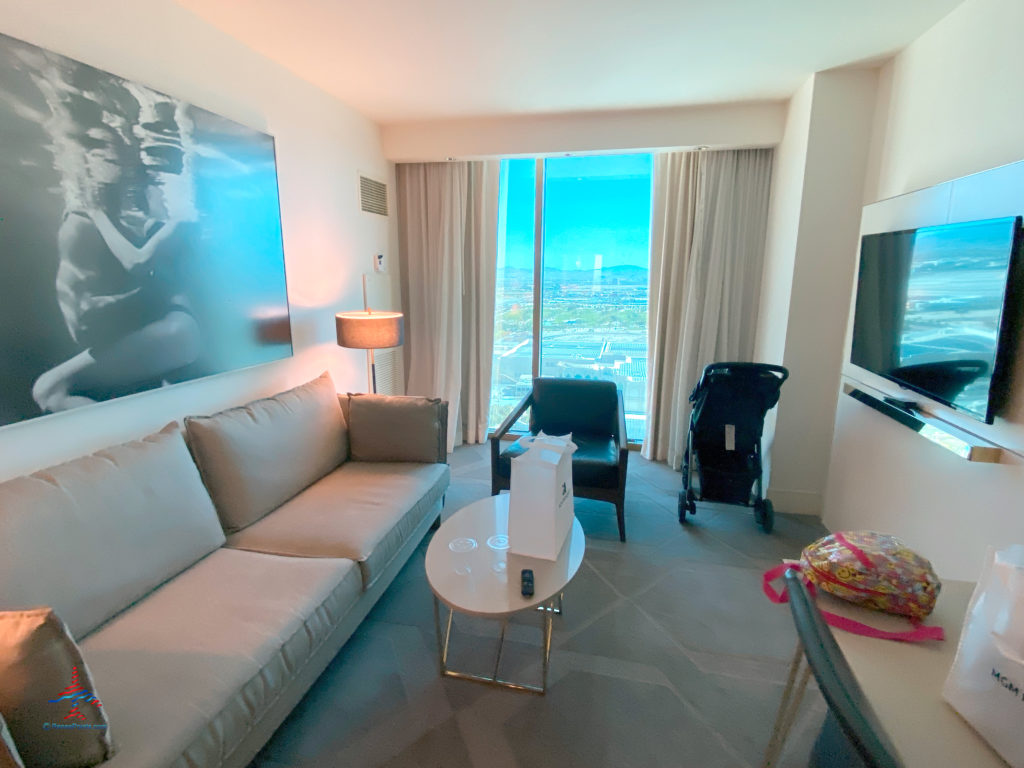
140, 238
936, 309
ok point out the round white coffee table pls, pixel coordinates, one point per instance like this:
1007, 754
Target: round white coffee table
470, 570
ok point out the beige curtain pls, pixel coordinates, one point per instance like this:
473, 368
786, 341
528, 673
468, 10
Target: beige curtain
480, 258
710, 216
672, 221
447, 221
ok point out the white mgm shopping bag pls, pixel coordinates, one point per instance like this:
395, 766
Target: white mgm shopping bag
540, 496
986, 683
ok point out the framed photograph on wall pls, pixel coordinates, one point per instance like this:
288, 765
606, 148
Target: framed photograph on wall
140, 238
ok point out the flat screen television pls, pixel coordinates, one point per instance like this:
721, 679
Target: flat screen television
936, 309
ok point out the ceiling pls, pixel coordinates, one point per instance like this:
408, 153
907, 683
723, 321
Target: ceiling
406, 60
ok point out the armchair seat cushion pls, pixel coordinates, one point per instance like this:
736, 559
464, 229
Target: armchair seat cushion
595, 464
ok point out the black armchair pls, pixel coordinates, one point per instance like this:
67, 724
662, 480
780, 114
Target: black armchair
593, 411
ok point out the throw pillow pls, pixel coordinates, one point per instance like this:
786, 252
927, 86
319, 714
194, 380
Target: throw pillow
255, 457
46, 694
397, 428
9, 757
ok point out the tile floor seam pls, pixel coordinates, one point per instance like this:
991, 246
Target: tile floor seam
602, 577
685, 699
559, 638
694, 656
699, 716
710, 532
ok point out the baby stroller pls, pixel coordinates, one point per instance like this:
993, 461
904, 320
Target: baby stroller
723, 446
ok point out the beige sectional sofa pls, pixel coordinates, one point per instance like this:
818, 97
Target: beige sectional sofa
209, 582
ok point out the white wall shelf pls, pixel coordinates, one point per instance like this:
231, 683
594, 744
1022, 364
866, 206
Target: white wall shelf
957, 441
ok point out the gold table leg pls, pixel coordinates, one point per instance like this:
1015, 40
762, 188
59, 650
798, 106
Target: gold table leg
444, 640
501, 645
792, 696
551, 607
548, 620
442, 644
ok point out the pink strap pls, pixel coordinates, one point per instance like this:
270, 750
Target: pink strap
917, 634
776, 573
857, 552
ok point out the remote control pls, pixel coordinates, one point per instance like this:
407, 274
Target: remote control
527, 582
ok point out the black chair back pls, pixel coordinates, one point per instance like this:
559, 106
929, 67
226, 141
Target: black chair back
585, 406
847, 704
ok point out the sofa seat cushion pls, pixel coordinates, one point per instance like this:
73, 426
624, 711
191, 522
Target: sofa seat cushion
364, 511
595, 463
189, 670
90, 537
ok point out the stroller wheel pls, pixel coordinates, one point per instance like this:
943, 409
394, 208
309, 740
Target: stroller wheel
764, 515
687, 504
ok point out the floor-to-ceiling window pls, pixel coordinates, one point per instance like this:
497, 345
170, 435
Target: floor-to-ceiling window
512, 371
584, 269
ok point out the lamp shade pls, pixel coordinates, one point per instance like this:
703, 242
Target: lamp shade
369, 330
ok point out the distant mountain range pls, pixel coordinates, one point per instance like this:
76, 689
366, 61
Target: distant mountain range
624, 274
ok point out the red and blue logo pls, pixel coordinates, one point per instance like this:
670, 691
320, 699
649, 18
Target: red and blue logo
77, 695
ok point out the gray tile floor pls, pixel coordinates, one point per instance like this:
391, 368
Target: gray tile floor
668, 654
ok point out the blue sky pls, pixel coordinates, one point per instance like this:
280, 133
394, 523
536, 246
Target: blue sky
599, 204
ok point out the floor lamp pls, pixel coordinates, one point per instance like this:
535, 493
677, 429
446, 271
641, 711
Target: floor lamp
369, 330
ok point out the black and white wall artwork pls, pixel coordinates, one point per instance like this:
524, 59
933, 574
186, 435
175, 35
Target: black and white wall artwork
140, 238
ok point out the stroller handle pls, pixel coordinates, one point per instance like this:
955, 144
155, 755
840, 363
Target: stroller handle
779, 371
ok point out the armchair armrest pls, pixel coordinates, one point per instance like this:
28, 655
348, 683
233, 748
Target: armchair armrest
503, 429
621, 439
442, 429
513, 417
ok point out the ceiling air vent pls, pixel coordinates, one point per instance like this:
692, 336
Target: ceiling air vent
373, 196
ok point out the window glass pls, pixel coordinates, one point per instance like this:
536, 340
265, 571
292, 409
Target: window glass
596, 246
511, 375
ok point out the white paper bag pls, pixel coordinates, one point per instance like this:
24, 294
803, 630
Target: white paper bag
540, 496
986, 682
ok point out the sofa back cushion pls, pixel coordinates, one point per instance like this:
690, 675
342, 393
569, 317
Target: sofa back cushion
397, 428
255, 457
92, 536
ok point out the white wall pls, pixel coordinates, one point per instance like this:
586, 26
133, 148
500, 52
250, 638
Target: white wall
951, 109
321, 146
954, 106
780, 245
755, 124
783, 225
814, 238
